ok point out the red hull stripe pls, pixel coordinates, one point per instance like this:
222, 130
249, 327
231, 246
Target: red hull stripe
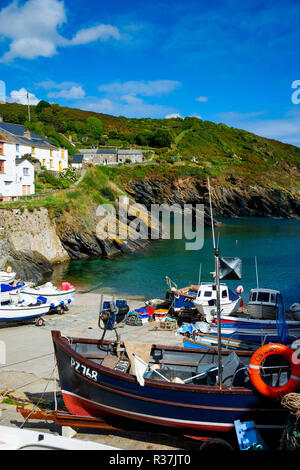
80, 406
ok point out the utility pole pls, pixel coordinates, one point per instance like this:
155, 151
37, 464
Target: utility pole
28, 106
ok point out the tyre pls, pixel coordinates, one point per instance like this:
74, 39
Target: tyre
40, 322
216, 444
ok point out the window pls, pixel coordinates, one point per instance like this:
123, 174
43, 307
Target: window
263, 297
33, 150
207, 293
273, 298
51, 153
17, 147
44, 162
25, 171
1, 166
253, 296
1, 148
51, 163
62, 153
224, 294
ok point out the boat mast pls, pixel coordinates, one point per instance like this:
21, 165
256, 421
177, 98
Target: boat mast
256, 273
217, 280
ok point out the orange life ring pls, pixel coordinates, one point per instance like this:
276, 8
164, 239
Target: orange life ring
254, 370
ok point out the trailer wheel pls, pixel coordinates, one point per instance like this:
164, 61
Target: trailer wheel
216, 444
40, 322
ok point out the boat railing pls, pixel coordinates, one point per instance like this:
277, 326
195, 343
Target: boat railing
280, 368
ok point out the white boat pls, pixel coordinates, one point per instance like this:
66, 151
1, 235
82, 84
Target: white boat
22, 312
295, 311
206, 300
262, 303
24, 439
7, 277
8, 290
53, 296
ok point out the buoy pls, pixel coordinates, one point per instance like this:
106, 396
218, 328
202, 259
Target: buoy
255, 364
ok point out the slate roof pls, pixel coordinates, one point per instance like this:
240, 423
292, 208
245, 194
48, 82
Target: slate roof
19, 161
77, 158
15, 133
130, 152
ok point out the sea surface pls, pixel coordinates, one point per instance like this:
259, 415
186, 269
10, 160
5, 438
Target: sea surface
274, 242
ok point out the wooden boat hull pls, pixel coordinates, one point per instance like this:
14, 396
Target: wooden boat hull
90, 389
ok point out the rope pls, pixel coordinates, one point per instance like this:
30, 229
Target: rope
41, 398
291, 401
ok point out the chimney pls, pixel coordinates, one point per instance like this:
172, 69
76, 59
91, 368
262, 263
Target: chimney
27, 134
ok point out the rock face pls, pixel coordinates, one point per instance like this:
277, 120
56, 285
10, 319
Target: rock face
29, 243
232, 200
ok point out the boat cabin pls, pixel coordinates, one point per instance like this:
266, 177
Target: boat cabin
207, 292
265, 296
262, 303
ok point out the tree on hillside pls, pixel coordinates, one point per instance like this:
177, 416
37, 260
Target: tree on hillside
42, 105
161, 138
94, 126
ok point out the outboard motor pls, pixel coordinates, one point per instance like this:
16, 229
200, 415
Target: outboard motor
108, 321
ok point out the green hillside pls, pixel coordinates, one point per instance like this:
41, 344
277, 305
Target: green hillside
187, 145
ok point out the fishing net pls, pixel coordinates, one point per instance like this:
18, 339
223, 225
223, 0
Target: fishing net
291, 436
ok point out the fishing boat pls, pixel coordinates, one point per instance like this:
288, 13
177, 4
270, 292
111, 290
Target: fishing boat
12, 438
22, 312
181, 298
54, 297
177, 387
7, 277
206, 300
248, 330
262, 303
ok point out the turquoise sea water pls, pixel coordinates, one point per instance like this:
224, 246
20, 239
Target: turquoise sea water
275, 243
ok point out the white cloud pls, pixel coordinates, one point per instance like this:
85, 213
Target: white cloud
202, 99
66, 90
20, 97
173, 116
127, 98
75, 93
142, 88
32, 29
102, 31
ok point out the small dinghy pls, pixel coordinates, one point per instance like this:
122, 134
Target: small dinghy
22, 312
54, 297
24, 439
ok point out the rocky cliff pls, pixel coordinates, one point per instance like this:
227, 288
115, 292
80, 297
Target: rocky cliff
29, 243
231, 199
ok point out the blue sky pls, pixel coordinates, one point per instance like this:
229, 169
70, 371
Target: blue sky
225, 61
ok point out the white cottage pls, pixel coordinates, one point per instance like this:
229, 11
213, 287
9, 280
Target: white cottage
28, 142
16, 175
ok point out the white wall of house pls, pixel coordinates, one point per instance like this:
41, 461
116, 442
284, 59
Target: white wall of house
53, 160
76, 166
15, 180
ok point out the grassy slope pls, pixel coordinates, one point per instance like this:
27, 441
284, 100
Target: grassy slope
221, 151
